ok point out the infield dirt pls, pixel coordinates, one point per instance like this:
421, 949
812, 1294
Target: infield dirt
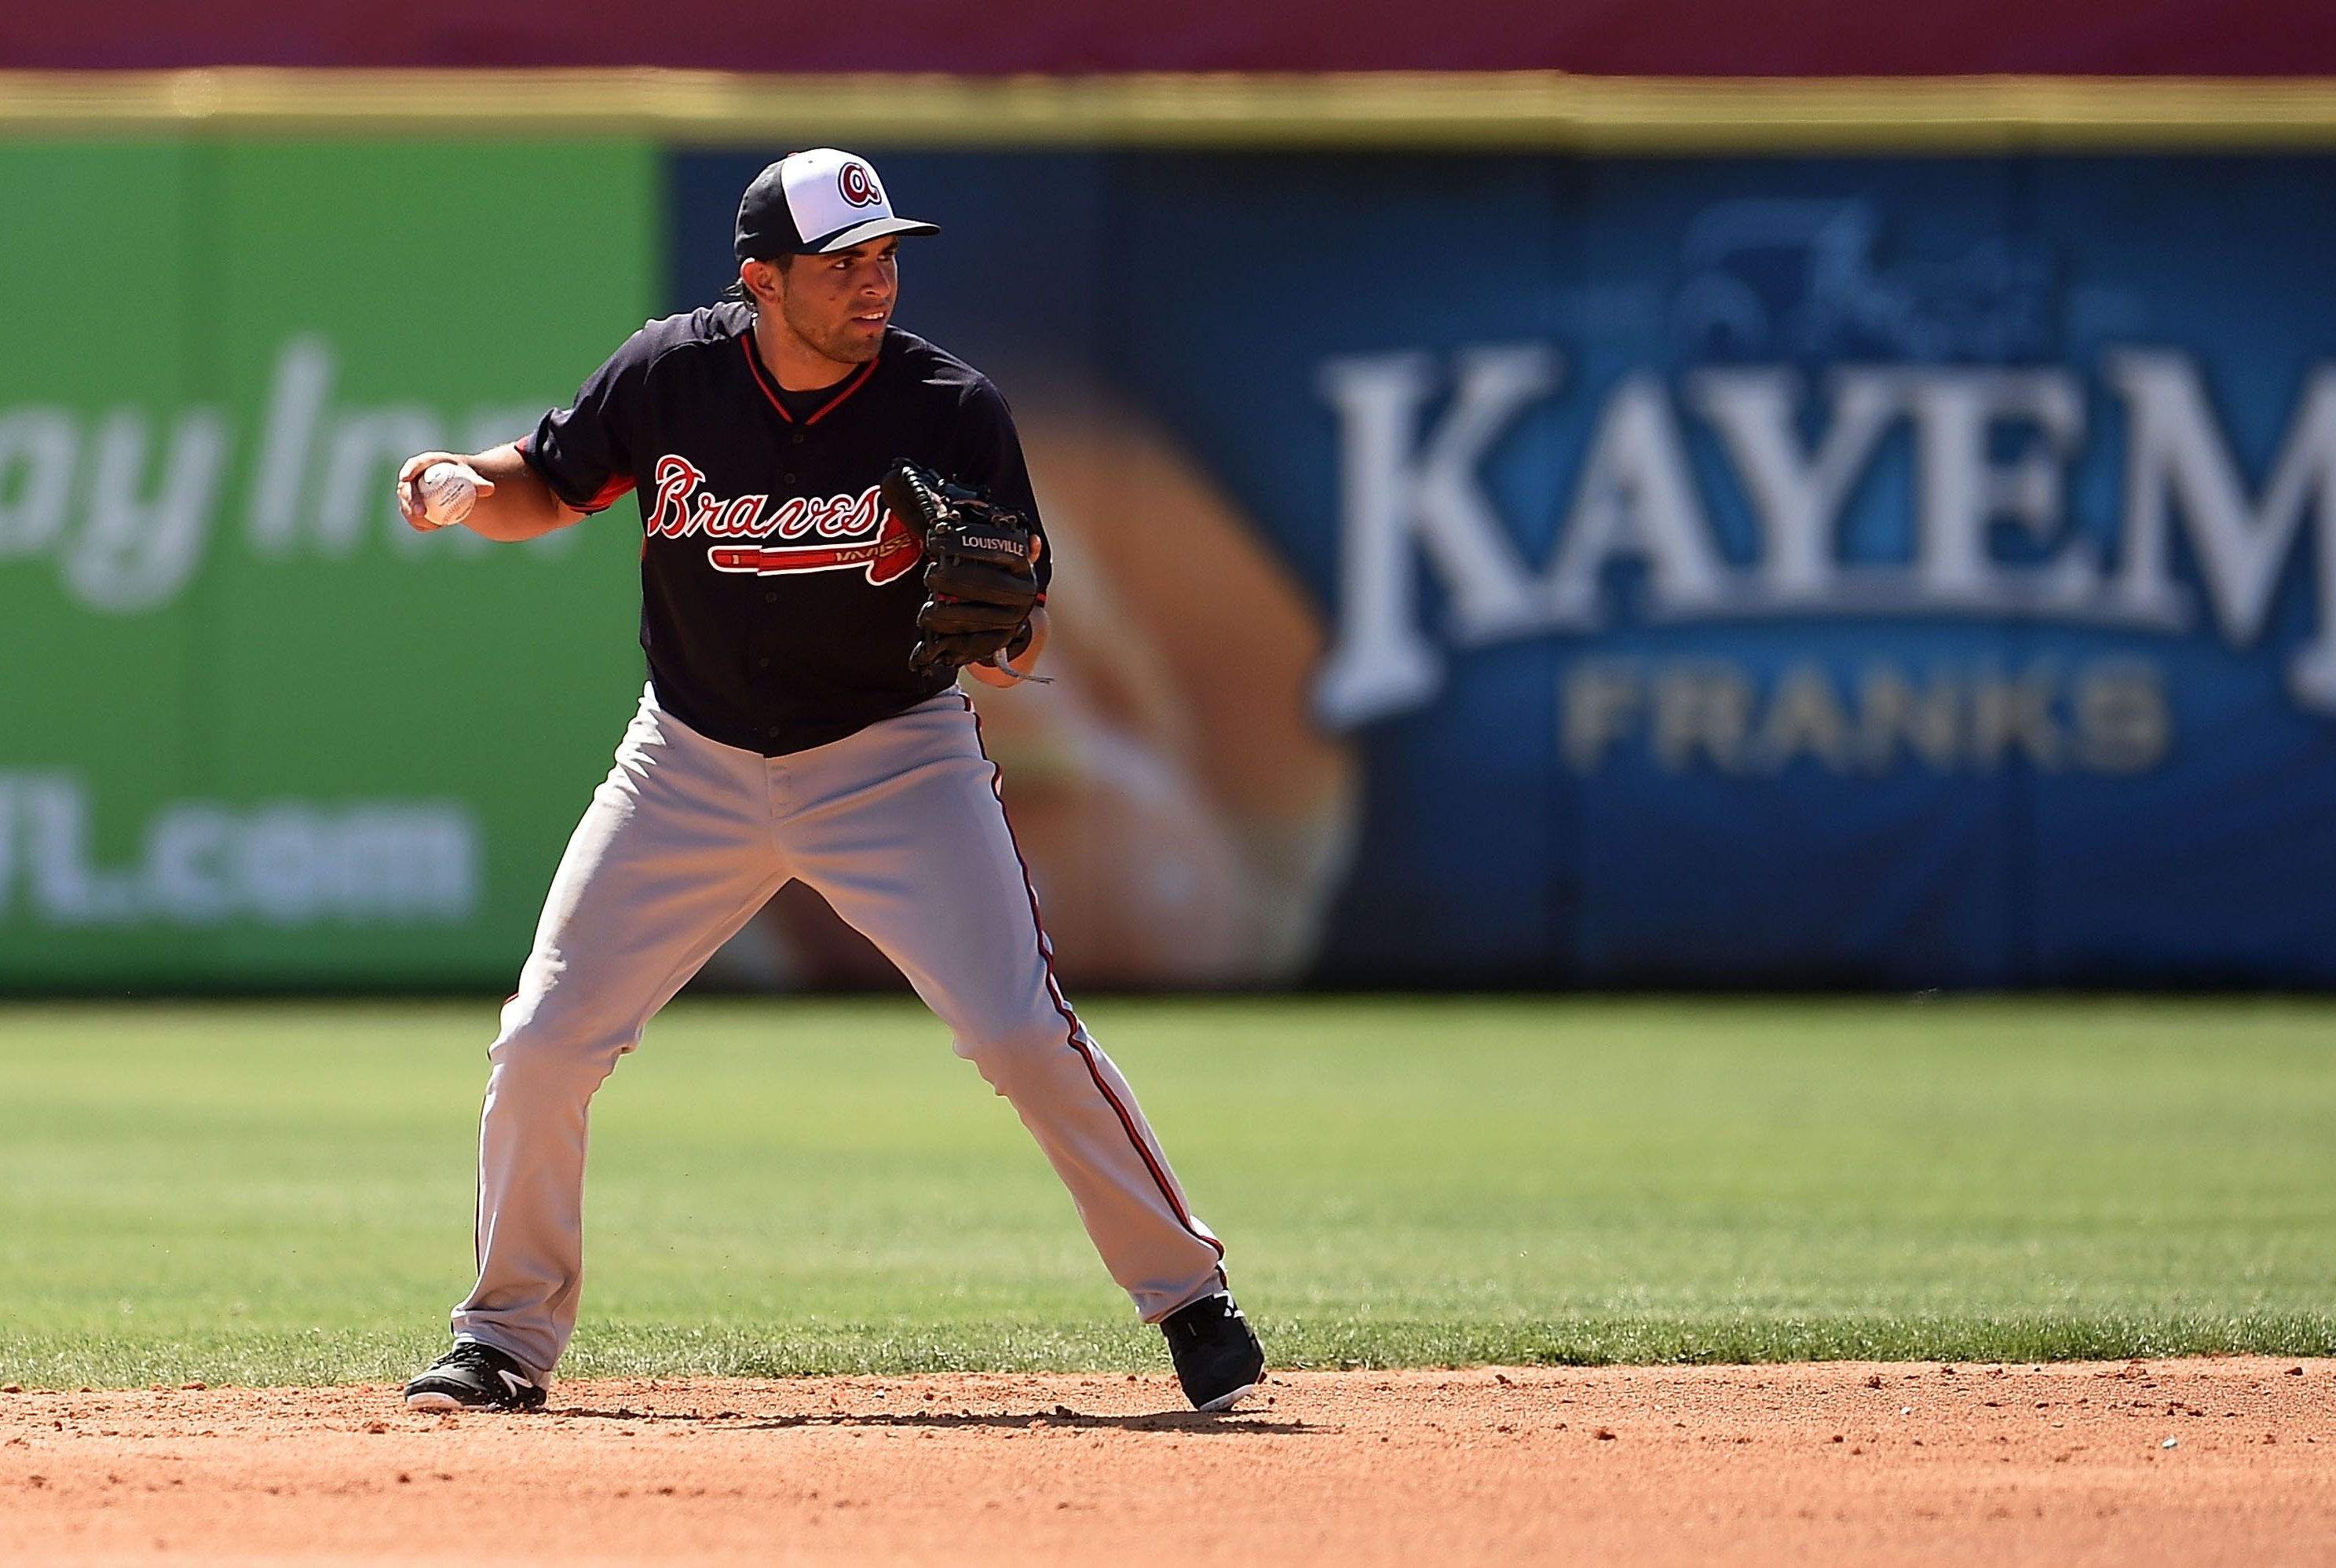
2194, 1461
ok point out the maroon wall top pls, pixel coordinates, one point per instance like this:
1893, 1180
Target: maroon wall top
1655, 37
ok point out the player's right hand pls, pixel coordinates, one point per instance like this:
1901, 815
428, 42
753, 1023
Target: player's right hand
409, 487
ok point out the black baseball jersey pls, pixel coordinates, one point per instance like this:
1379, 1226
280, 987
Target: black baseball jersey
778, 597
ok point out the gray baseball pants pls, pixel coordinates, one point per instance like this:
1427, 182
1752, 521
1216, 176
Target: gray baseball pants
900, 827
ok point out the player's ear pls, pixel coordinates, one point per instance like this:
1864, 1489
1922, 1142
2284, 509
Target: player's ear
760, 279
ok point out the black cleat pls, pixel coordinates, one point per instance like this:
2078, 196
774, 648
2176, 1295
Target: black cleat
1218, 1359
474, 1377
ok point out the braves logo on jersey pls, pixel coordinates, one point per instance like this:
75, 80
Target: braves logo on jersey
852, 530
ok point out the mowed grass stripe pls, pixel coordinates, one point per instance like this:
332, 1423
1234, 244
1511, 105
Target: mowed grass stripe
281, 1193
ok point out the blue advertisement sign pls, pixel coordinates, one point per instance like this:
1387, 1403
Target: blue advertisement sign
1891, 572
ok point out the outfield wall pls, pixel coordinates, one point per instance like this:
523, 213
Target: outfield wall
1477, 566
258, 731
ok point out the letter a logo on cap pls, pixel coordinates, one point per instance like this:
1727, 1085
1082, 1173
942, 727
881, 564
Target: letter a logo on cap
858, 183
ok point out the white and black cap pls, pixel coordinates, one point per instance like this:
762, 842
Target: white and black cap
811, 203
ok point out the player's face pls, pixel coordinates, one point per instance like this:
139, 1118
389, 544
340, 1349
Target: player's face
839, 304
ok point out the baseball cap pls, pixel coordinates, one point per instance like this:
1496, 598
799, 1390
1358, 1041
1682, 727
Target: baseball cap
811, 203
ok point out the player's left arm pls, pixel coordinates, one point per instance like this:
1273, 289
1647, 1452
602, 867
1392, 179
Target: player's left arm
990, 456
1023, 662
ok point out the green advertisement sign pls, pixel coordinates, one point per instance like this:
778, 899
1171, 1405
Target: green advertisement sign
256, 731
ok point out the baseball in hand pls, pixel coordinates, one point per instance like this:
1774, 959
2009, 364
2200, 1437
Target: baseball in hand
448, 490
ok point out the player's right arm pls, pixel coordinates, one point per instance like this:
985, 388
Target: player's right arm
513, 502
577, 459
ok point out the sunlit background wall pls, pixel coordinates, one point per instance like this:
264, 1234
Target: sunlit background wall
1674, 496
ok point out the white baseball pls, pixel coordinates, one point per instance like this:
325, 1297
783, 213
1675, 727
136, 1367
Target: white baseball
448, 490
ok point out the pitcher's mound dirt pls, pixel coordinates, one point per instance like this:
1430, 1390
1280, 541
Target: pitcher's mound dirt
2225, 1460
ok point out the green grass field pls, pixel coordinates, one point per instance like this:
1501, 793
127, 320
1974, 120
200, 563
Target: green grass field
272, 1194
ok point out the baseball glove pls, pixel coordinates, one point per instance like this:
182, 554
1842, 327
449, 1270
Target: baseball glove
981, 582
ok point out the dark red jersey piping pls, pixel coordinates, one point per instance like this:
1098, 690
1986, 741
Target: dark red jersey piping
1078, 1037
608, 494
763, 379
619, 486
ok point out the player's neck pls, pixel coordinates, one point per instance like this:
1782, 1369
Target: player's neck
793, 363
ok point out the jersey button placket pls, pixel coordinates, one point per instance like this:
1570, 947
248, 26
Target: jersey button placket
777, 782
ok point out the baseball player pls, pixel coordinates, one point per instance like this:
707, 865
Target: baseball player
837, 519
